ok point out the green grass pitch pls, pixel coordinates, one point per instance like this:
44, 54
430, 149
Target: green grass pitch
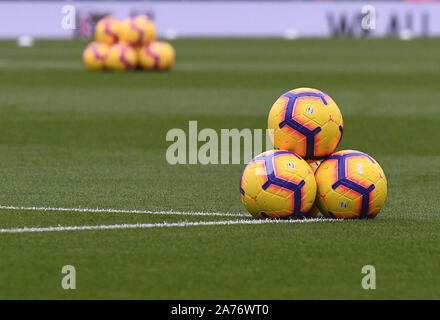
71, 138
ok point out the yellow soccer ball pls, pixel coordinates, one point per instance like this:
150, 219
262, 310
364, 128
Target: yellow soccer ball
307, 122
157, 55
314, 164
138, 31
351, 184
121, 57
278, 184
94, 56
107, 30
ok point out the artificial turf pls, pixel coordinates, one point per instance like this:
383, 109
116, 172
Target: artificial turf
71, 138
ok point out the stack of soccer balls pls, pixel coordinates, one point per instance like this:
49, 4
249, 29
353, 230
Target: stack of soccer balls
302, 176
127, 45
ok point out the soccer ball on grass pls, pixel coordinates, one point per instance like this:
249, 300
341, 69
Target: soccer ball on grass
278, 184
351, 184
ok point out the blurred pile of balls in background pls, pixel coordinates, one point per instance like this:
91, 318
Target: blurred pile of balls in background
127, 45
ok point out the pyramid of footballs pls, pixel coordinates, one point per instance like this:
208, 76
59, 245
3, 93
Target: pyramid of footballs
127, 45
304, 175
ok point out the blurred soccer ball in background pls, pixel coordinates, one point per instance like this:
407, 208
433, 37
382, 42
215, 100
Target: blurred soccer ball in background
107, 30
137, 31
157, 55
94, 56
121, 57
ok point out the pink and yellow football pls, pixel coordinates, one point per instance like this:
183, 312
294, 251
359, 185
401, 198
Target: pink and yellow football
307, 122
157, 55
351, 184
94, 56
278, 184
121, 57
138, 31
107, 30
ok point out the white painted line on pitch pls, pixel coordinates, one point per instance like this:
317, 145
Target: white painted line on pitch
156, 225
88, 210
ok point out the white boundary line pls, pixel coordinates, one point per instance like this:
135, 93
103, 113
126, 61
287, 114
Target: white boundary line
88, 210
156, 225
